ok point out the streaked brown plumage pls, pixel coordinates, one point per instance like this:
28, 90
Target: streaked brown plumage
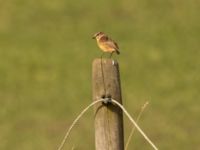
106, 44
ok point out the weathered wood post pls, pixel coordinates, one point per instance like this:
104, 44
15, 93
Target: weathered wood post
108, 117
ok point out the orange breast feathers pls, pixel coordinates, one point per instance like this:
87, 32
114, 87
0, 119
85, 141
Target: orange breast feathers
107, 44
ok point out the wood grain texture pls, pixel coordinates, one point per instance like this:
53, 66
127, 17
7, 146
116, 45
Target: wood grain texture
108, 117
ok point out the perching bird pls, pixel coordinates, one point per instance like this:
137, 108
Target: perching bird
106, 44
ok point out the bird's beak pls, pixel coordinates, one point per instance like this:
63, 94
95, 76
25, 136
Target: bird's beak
93, 37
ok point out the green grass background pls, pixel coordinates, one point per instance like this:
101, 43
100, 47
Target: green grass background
46, 53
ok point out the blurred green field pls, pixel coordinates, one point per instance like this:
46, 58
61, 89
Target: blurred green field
46, 53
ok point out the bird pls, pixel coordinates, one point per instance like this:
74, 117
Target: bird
106, 44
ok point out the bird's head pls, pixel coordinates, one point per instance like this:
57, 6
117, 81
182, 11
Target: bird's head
98, 35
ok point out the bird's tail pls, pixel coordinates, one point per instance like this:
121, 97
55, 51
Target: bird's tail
117, 51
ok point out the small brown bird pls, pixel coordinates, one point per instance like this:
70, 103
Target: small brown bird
106, 44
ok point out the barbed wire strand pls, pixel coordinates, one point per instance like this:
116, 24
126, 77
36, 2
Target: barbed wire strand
75, 121
133, 128
135, 124
106, 101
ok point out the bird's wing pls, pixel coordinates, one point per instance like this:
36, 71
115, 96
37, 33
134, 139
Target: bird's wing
109, 42
112, 44
103, 39
116, 45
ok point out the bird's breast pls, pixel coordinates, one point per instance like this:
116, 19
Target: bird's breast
105, 47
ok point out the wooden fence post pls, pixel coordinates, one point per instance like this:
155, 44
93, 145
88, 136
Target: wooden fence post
108, 117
